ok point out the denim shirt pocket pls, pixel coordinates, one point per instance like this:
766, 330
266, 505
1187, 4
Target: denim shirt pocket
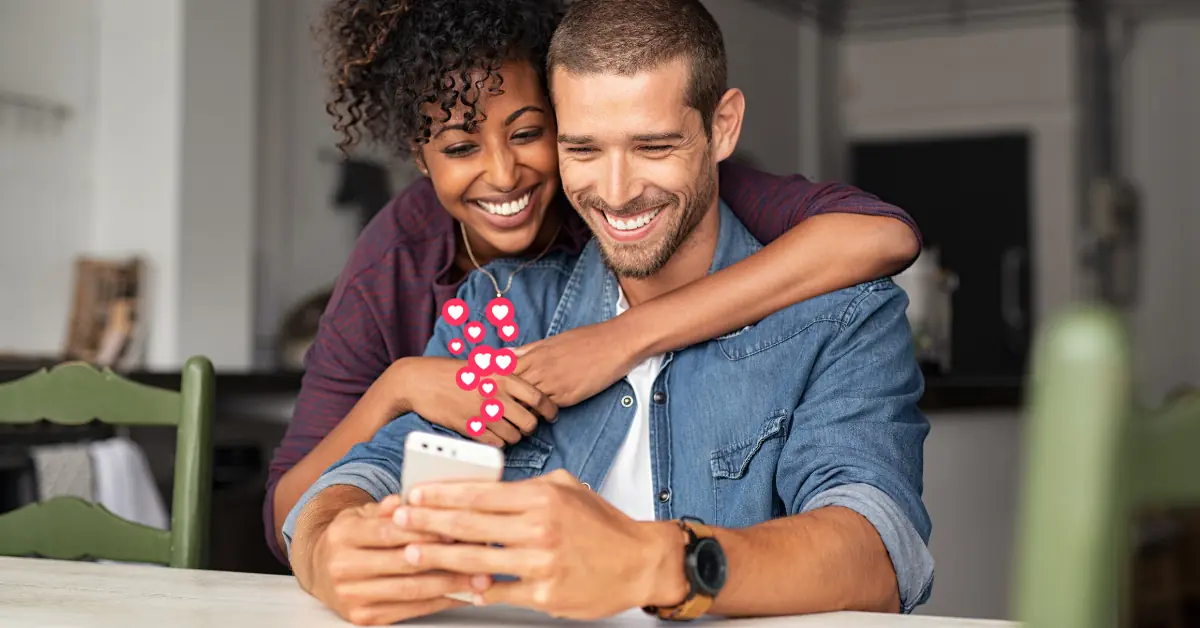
527, 458
744, 472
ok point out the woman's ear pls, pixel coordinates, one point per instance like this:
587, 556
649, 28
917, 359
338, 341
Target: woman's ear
420, 161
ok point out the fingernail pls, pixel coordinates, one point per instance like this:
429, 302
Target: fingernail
478, 600
400, 517
479, 583
412, 554
415, 495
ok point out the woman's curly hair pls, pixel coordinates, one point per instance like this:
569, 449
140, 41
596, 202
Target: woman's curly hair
387, 58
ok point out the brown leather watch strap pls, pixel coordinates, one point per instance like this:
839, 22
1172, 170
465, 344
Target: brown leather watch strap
697, 603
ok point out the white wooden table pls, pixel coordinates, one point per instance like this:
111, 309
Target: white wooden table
63, 594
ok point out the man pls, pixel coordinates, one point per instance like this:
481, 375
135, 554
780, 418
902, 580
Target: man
796, 441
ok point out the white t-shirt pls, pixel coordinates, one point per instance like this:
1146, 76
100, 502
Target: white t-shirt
629, 484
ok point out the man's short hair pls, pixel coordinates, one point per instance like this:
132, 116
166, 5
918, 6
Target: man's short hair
625, 37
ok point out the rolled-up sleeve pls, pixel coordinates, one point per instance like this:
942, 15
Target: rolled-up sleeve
857, 436
909, 554
373, 480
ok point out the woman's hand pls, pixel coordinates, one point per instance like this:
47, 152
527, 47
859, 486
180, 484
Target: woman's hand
578, 363
427, 385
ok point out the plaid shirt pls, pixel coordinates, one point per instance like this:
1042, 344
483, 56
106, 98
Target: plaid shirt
388, 296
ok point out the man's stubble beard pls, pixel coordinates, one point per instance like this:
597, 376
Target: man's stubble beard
641, 261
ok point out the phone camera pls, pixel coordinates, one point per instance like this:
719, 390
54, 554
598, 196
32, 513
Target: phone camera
424, 445
439, 448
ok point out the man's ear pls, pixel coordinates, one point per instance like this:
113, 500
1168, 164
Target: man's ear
727, 123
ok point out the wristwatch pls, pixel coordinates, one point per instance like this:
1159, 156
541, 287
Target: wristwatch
705, 568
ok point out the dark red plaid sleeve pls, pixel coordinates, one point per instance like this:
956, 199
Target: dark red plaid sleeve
344, 361
769, 205
381, 310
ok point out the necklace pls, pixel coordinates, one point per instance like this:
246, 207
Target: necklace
496, 284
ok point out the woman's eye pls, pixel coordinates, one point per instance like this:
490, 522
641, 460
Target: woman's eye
526, 135
458, 150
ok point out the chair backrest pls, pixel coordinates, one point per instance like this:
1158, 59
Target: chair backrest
1093, 459
70, 528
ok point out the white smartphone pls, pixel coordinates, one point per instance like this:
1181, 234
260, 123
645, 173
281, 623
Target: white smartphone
436, 458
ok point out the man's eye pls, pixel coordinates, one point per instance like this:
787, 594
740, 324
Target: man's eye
581, 150
655, 149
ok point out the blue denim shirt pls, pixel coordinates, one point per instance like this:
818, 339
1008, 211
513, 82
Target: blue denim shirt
813, 406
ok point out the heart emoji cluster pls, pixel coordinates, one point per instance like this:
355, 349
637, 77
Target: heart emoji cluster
482, 360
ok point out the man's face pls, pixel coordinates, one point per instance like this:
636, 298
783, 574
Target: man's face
635, 162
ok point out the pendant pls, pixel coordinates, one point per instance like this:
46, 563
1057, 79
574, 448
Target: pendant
499, 311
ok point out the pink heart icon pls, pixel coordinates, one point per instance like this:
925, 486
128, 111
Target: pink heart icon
466, 378
491, 410
505, 362
456, 346
474, 331
508, 332
499, 311
481, 359
487, 387
455, 311
475, 426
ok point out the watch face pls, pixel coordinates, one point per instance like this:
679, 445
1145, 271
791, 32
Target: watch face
709, 566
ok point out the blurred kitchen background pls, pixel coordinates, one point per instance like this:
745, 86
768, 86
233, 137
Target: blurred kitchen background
1049, 149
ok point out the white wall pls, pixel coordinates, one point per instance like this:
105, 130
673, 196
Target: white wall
157, 161
45, 177
136, 164
174, 166
1163, 157
305, 238
219, 181
972, 482
763, 47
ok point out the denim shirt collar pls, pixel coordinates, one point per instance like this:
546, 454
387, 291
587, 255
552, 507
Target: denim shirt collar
592, 291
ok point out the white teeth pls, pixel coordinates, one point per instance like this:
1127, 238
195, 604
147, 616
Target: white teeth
509, 208
632, 223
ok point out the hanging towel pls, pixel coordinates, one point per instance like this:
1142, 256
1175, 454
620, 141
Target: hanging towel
62, 470
124, 484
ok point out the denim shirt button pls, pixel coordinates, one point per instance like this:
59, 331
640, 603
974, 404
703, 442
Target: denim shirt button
660, 397
627, 401
664, 495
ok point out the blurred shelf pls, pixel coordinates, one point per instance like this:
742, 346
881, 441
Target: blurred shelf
228, 382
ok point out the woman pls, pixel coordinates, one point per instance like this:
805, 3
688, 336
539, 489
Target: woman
459, 85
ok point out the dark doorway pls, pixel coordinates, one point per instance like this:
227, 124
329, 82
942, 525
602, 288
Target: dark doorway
971, 198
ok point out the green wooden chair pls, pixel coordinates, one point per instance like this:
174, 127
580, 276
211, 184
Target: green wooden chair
70, 528
1093, 461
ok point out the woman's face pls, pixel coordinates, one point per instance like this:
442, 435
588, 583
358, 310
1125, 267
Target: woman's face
498, 179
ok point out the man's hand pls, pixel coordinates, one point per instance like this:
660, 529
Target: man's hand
579, 363
358, 570
576, 555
